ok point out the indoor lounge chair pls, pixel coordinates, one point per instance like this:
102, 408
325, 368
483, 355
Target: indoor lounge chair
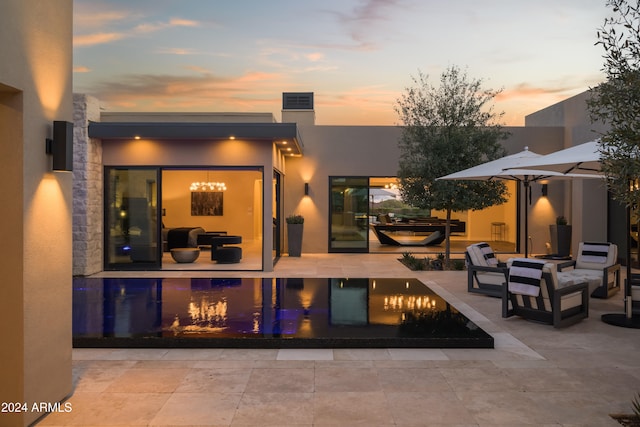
596, 263
485, 274
534, 294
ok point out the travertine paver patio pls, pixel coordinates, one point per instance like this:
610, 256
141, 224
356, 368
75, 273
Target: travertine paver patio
536, 375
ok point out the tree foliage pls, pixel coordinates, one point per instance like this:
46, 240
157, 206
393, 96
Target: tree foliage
447, 129
616, 102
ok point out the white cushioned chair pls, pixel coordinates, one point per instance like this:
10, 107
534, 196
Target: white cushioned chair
485, 274
596, 263
541, 298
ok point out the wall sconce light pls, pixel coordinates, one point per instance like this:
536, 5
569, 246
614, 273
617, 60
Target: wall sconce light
306, 188
545, 190
61, 146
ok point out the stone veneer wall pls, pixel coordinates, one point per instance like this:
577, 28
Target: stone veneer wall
88, 190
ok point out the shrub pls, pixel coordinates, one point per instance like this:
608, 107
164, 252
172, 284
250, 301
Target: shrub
457, 264
295, 219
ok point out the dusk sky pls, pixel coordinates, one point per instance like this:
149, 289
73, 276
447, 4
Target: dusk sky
357, 56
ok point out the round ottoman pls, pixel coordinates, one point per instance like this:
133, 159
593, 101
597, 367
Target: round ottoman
228, 254
185, 255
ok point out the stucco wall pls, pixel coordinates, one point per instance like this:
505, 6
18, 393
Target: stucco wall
586, 209
330, 151
35, 255
373, 151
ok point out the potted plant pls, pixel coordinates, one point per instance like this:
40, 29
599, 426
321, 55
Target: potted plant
560, 237
295, 224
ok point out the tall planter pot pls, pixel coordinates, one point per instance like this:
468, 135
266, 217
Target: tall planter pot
560, 239
294, 239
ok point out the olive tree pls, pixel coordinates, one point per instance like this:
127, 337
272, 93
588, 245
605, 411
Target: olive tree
616, 101
446, 129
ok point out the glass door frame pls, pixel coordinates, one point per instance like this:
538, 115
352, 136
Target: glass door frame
152, 194
332, 249
277, 220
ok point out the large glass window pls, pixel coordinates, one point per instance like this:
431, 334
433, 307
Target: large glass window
349, 221
196, 205
132, 218
214, 201
358, 205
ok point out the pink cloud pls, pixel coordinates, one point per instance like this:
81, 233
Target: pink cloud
98, 38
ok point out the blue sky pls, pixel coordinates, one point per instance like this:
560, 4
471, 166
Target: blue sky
357, 56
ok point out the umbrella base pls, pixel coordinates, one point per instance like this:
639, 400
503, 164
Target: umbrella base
621, 319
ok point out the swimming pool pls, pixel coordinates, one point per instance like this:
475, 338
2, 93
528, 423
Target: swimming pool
267, 313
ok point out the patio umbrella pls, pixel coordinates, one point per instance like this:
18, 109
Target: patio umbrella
511, 168
585, 158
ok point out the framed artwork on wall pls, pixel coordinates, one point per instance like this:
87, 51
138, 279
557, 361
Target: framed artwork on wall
206, 203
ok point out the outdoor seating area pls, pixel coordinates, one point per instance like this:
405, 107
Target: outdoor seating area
559, 288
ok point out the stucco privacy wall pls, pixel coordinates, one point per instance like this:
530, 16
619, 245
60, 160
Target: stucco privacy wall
373, 151
35, 255
88, 190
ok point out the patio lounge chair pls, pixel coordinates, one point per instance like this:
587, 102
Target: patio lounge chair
485, 274
595, 263
534, 294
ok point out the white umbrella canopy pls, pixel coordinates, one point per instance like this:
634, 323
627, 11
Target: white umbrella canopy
495, 169
512, 167
583, 159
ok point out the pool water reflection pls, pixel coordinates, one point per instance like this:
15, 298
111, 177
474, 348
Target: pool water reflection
267, 313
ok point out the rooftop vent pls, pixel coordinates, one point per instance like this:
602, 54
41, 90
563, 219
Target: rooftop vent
297, 101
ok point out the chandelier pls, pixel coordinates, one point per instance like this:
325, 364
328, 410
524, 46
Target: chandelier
208, 186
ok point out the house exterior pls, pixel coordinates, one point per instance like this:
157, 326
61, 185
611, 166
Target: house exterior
272, 170
56, 224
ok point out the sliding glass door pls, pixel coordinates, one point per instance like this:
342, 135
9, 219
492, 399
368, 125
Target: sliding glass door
349, 214
131, 218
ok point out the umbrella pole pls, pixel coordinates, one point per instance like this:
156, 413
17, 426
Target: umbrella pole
526, 218
628, 301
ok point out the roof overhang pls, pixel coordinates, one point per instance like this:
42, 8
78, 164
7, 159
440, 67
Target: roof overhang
284, 135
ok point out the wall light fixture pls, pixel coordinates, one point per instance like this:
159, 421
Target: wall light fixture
61, 146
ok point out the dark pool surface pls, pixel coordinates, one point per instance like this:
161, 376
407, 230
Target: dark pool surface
267, 313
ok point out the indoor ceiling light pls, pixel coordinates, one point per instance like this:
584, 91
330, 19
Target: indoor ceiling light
207, 186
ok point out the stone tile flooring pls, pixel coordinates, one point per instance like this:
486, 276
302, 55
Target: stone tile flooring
536, 375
